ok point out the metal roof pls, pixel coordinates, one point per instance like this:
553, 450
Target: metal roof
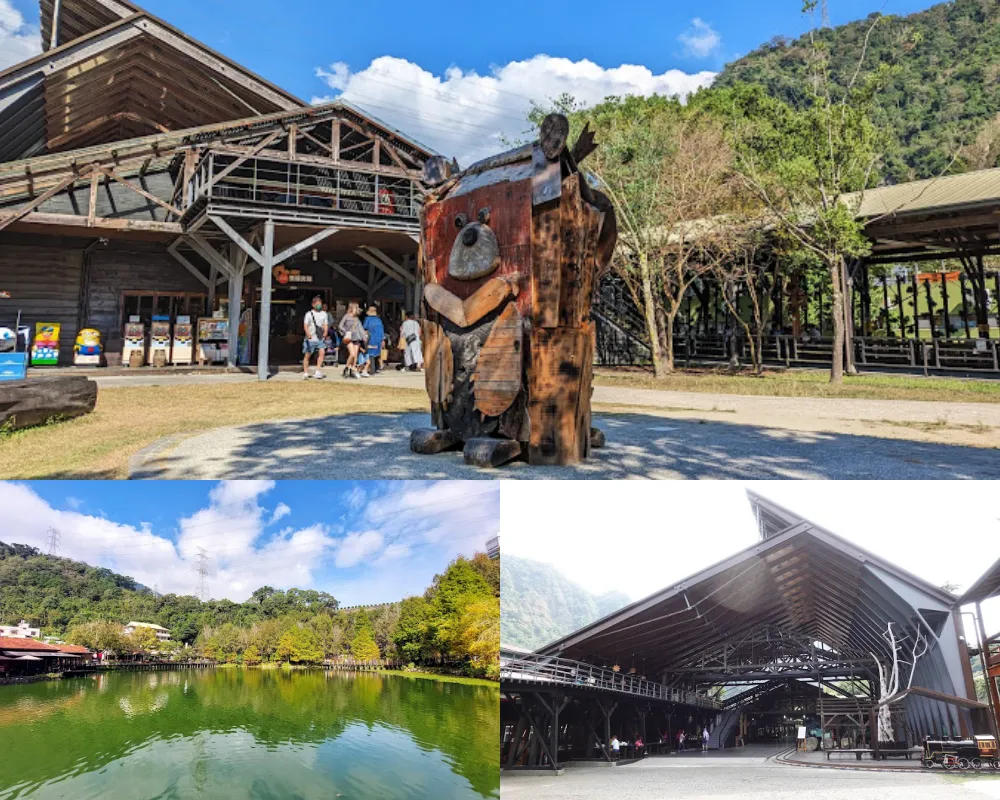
985, 588
801, 579
967, 189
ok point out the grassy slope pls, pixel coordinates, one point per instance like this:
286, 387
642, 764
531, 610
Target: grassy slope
128, 419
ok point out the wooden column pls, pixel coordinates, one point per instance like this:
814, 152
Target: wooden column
213, 276
238, 260
992, 695
263, 345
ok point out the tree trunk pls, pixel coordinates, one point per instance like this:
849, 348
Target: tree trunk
848, 312
661, 366
837, 367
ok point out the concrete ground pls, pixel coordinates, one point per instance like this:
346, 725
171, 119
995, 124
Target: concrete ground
747, 774
651, 434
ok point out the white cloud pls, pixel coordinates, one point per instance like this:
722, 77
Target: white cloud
700, 40
228, 529
18, 41
280, 511
355, 547
470, 116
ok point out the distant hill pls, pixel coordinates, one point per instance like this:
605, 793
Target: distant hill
945, 92
539, 604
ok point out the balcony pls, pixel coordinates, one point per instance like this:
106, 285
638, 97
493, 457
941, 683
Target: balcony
301, 190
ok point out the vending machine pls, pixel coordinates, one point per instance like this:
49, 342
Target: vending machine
134, 344
213, 340
183, 352
159, 342
45, 348
87, 351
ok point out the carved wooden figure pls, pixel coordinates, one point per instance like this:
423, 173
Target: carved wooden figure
511, 251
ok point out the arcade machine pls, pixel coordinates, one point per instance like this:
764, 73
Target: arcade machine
87, 351
183, 352
45, 349
213, 340
159, 342
134, 345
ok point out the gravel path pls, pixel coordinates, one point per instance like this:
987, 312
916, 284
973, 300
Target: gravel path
737, 779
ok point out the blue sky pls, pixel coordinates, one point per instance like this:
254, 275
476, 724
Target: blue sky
361, 541
461, 77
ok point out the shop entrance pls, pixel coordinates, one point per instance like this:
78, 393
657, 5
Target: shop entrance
289, 305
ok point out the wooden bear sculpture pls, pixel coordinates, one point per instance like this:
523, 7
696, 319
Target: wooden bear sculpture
511, 251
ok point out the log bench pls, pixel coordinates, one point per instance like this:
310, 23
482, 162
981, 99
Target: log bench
36, 401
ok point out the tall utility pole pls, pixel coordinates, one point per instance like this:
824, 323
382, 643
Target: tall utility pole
201, 568
52, 539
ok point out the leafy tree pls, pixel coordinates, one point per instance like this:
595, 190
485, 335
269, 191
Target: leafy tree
363, 646
99, 636
142, 640
251, 656
298, 645
412, 636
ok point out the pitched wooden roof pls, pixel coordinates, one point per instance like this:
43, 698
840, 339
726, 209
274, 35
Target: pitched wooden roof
119, 73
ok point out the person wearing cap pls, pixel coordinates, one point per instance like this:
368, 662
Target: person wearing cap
376, 335
316, 325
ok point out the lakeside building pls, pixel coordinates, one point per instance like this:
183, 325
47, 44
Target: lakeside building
493, 547
20, 631
144, 175
21, 656
163, 634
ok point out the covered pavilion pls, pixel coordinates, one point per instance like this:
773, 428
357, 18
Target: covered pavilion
789, 632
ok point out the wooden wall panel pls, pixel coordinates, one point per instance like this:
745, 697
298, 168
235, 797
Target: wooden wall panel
560, 367
44, 284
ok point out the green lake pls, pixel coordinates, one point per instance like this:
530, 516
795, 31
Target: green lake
249, 733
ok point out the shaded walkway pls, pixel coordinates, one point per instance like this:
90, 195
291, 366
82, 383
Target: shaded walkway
371, 446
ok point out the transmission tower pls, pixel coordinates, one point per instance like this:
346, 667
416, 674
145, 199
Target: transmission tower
824, 14
52, 539
201, 569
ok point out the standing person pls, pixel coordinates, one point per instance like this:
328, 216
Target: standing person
316, 325
376, 335
413, 354
354, 337
704, 739
332, 341
616, 747
680, 742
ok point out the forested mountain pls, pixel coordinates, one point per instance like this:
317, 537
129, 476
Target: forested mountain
945, 85
457, 617
540, 604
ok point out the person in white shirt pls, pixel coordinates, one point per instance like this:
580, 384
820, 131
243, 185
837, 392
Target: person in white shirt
316, 325
616, 746
413, 355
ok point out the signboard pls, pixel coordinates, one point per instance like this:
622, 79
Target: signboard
802, 732
45, 348
284, 276
13, 366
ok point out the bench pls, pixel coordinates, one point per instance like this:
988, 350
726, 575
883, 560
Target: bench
891, 751
856, 752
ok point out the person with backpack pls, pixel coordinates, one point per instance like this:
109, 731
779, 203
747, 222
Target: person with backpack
316, 326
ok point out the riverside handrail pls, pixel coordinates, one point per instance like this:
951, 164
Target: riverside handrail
534, 668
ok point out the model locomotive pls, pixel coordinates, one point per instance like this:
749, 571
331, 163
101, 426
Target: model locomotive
979, 752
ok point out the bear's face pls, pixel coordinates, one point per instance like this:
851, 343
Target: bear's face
475, 252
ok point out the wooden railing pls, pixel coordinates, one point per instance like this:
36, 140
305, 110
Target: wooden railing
306, 189
547, 670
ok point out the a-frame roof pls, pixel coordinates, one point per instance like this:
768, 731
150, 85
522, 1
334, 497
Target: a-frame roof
985, 588
801, 579
119, 73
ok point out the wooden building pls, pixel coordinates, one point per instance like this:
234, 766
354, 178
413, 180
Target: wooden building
143, 173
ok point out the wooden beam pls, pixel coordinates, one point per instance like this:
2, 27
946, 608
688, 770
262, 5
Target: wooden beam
342, 271
92, 206
242, 243
9, 218
140, 191
382, 267
172, 249
105, 223
210, 253
288, 252
335, 139
293, 145
264, 328
390, 263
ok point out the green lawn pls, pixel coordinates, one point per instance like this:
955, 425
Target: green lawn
807, 383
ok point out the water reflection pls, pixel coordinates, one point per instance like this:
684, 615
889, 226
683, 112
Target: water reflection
234, 733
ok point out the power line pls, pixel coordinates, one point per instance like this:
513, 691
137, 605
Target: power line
201, 568
52, 539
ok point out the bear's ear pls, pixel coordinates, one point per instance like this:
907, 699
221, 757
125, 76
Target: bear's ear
585, 144
436, 170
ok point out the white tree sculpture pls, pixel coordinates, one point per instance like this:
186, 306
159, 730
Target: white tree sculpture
890, 678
